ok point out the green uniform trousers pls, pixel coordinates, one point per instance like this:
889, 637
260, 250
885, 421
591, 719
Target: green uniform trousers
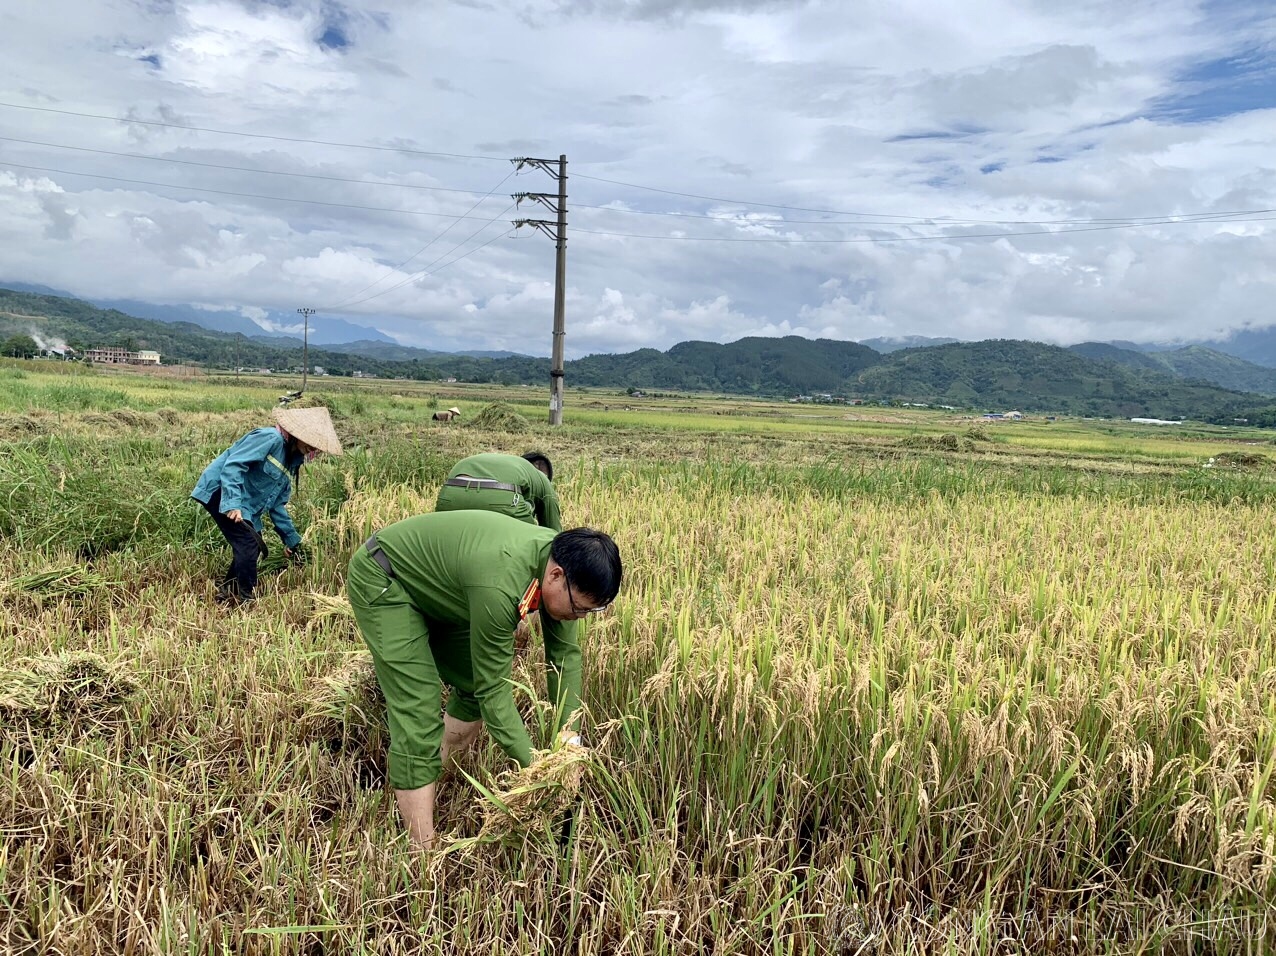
454, 498
413, 660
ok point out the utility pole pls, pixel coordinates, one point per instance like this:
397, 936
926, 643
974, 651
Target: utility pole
556, 230
305, 344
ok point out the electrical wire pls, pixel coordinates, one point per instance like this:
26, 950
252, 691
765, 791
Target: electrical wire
949, 237
439, 236
232, 132
227, 192
429, 270
242, 169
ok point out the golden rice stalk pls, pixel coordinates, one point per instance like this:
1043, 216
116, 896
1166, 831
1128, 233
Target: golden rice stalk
329, 606
75, 580
535, 796
345, 710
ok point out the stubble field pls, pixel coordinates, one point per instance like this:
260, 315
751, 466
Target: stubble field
921, 686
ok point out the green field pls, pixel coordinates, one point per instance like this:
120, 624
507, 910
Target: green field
879, 681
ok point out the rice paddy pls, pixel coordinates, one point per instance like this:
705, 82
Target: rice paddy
922, 686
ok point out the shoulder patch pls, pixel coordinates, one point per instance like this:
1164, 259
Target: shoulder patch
531, 600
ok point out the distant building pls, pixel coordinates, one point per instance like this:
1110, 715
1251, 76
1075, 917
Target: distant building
1154, 421
114, 356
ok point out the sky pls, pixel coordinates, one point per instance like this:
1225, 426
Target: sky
978, 169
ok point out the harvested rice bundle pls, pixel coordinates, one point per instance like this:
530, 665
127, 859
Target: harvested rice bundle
66, 688
535, 796
346, 710
500, 416
329, 606
75, 580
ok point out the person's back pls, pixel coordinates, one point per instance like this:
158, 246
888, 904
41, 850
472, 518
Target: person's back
520, 487
436, 597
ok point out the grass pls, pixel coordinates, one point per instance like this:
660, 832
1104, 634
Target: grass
854, 697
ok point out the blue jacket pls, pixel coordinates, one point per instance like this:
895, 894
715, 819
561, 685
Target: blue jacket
255, 477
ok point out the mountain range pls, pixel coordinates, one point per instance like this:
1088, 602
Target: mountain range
1093, 379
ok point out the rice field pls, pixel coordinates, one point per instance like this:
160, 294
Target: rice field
861, 693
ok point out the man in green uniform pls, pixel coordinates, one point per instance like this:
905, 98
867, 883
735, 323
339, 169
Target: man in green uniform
436, 598
506, 484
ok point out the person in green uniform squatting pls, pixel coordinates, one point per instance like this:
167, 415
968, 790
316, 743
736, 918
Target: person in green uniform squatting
436, 598
506, 484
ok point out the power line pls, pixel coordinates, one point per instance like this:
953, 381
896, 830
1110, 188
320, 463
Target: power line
394, 269
429, 270
1248, 216
232, 132
742, 220
227, 192
951, 237
927, 221
913, 219
861, 218
241, 169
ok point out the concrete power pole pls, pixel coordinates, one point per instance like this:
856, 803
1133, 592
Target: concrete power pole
305, 344
556, 230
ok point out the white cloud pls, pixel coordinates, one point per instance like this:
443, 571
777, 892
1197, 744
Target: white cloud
902, 110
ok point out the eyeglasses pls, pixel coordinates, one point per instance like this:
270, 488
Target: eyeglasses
581, 611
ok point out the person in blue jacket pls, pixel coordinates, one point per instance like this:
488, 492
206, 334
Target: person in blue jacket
253, 478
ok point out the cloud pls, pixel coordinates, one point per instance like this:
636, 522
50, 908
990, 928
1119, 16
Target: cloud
916, 152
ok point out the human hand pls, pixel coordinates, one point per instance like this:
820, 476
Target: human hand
569, 738
234, 514
298, 555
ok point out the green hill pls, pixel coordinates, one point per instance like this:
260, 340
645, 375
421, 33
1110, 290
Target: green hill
1002, 374
759, 366
1194, 362
994, 375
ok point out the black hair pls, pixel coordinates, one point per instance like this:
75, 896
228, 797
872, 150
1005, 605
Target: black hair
591, 561
538, 459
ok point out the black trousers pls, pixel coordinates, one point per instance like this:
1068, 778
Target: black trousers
245, 547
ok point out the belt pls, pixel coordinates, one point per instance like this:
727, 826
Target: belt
379, 556
484, 484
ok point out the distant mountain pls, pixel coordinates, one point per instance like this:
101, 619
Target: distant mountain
1121, 354
324, 330
393, 352
1191, 362
894, 343
1003, 374
1257, 346
997, 375
82, 326
1253, 345
764, 366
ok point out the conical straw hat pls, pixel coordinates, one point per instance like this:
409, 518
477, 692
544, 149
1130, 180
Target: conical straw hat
454, 410
311, 425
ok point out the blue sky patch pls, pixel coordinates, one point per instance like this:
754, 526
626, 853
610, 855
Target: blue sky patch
992, 168
334, 35
152, 58
1213, 89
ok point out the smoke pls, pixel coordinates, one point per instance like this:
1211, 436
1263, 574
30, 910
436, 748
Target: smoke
47, 345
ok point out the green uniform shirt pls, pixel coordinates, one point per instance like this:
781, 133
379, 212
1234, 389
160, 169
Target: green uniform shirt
522, 474
467, 572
